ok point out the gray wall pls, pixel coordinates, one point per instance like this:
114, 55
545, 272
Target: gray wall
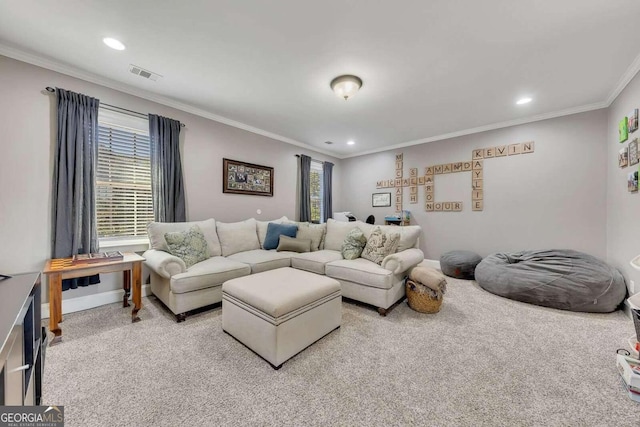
623, 208
27, 137
552, 198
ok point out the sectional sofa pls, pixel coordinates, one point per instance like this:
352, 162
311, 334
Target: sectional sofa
237, 249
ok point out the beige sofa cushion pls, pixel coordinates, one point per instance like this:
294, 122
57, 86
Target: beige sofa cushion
262, 228
205, 274
157, 230
281, 291
408, 237
313, 232
314, 261
336, 232
237, 236
360, 271
262, 260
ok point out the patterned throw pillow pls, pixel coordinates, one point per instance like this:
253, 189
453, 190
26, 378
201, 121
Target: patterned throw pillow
380, 245
188, 245
353, 244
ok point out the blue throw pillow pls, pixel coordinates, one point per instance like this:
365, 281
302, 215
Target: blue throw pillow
275, 230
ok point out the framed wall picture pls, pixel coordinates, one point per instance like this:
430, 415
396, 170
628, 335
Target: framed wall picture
380, 200
246, 178
633, 152
623, 129
632, 182
623, 157
632, 120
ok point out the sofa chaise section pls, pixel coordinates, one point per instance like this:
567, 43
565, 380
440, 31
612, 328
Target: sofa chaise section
182, 289
363, 280
378, 285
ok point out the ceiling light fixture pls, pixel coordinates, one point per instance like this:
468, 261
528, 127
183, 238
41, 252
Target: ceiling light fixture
351, 143
113, 43
346, 86
523, 101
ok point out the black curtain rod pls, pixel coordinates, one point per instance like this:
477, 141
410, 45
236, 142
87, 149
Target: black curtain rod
319, 161
52, 90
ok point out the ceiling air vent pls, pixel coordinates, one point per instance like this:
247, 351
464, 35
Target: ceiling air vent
139, 71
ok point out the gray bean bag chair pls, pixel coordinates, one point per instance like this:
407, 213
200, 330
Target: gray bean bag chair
564, 279
459, 264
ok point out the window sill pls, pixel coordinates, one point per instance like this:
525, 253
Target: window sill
124, 243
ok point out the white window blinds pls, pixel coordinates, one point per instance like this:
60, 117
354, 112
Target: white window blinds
123, 180
317, 191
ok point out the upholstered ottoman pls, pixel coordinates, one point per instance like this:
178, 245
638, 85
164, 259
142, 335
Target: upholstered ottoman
279, 313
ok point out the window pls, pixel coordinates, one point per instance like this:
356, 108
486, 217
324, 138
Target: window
317, 191
123, 179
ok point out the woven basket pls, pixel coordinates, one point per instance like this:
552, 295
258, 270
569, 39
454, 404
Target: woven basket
420, 300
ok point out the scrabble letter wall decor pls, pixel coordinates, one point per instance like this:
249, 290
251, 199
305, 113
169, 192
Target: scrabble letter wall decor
475, 166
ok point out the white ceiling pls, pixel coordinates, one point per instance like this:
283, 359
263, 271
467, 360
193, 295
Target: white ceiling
430, 68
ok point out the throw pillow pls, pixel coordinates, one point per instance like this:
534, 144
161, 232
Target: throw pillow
156, 231
293, 244
311, 232
380, 245
275, 230
189, 245
353, 244
262, 228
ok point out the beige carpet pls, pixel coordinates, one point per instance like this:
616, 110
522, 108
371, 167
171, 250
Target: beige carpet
482, 361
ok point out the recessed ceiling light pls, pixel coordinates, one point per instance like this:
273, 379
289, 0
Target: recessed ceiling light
113, 43
523, 101
350, 143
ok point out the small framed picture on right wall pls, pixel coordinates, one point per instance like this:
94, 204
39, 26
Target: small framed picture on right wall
633, 152
632, 182
633, 121
623, 157
623, 129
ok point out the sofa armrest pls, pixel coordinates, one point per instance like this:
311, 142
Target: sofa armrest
402, 261
164, 263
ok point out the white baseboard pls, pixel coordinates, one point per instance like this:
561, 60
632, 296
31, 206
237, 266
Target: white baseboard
86, 302
431, 263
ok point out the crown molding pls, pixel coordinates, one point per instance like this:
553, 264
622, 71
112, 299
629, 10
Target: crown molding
50, 64
626, 78
485, 128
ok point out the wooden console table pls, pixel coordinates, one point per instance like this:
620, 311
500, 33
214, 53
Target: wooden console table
62, 268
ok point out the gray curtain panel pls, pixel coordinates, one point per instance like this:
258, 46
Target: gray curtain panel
305, 188
327, 170
167, 186
73, 199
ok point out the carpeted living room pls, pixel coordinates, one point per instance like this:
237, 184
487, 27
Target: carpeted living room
335, 213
